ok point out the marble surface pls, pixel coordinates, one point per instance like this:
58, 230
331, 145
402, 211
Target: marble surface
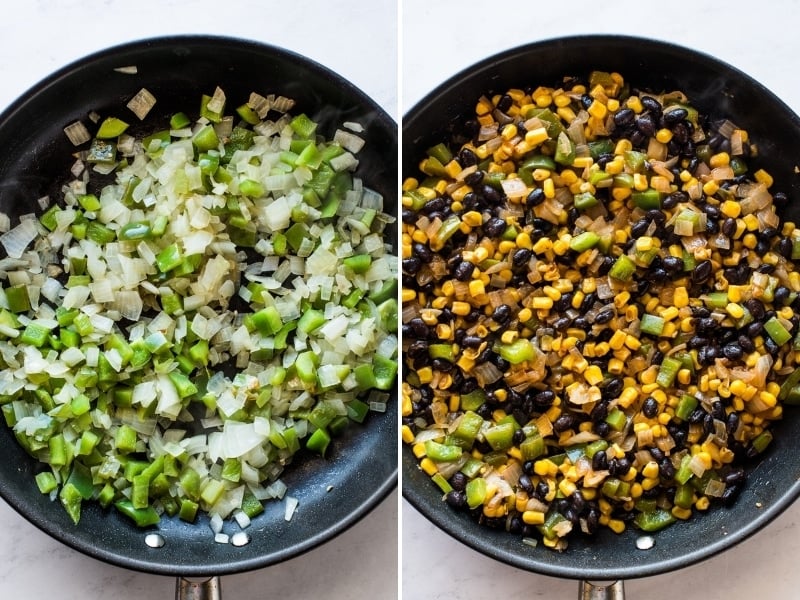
359, 41
439, 39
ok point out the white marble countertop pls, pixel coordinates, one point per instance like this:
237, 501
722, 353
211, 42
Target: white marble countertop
359, 41
439, 40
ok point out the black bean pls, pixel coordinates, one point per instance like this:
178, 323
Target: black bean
600, 461
781, 295
707, 354
650, 408
747, 343
624, 116
602, 429
491, 195
467, 158
666, 469
412, 265
420, 329
732, 351
639, 228
651, 104
505, 103
562, 323
526, 484
521, 257
771, 346
545, 399
563, 422
785, 247
456, 499
473, 179
599, 412
463, 271
472, 341
604, 316
755, 329
702, 271
756, 308
673, 264
494, 227
613, 388
502, 314
732, 423
409, 216
697, 416
646, 125
528, 467
424, 253
458, 481
696, 342
675, 115
731, 493
536, 197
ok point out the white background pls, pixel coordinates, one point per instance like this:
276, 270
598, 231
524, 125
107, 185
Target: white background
442, 38
356, 39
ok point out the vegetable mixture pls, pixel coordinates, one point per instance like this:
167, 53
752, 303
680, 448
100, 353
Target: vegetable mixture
599, 311
201, 304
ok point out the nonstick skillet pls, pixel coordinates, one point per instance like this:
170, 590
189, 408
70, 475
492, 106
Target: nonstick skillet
362, 467
720, 90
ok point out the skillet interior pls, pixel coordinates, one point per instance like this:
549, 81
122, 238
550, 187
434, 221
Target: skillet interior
722, 91
362, 467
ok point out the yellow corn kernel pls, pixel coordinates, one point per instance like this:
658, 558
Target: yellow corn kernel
541, 303
476, 288
534, 137
720, 159
622, 298
428, 466
730, 208
615, 366
669, 313
632, 342
628, 397
581, 162
617, 340
408, 295
542, 245
710, 188
438, 303
561, 246
735, 310
419, 236
549, 188
552, 293
523, 240
634, 104
533, 517
425, 375
567, 487
472, 218
681, 513
593, 375
566, 113
750, 241
684, 376
680, 297
762, 176
408, 435
640, 182
702, 503
664, 135
616, 525
622, 147
597, 109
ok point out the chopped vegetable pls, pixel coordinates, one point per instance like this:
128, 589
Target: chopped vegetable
599, 310
172, 339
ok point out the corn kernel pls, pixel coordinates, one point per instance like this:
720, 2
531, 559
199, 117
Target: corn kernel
533, 517
634, 104
408, 435
710, 188
476, 288
408, 295
616, 525
664, 135
549, 188
681, 513
730, 208
428, 466
534, 137
762, 176
721, 159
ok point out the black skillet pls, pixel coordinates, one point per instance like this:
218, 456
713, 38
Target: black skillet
717, 89
35, 157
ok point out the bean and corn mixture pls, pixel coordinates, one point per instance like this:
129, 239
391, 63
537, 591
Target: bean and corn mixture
599, 310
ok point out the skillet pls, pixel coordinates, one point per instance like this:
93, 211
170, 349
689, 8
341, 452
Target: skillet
716, 88
362, 467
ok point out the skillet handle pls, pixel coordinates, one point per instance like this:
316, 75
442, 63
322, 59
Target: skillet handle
210, 589
608, 590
